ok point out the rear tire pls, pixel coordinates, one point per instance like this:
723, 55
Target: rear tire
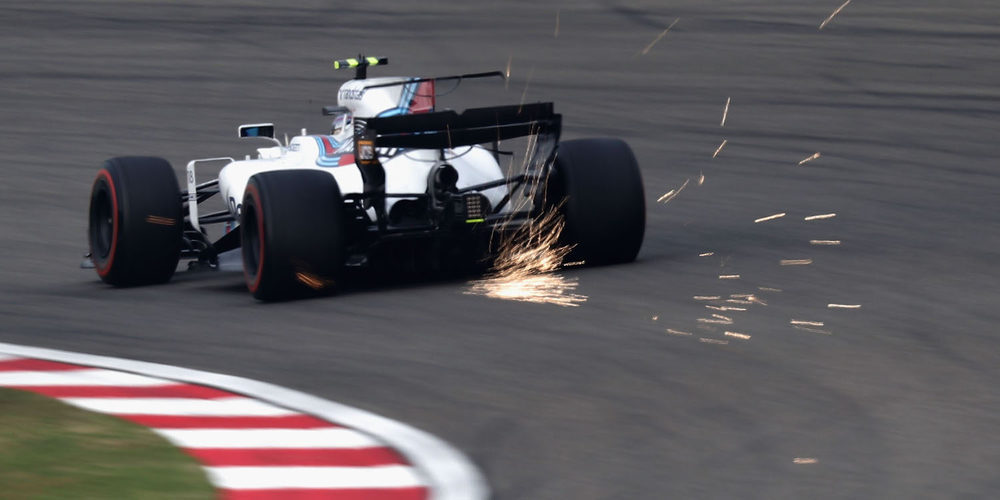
136, 223
292, 234
603, 203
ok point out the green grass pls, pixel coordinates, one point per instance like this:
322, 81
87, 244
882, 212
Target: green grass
51, 450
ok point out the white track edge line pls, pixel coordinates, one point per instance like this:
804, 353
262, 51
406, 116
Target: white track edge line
298, 477
239, 406
335, 438
450, 474
95, 377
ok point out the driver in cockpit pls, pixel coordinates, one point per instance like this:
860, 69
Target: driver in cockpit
342, 128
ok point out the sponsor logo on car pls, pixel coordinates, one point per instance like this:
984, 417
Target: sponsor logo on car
351, 94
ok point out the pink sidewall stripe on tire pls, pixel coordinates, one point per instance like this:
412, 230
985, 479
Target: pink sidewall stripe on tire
250, 448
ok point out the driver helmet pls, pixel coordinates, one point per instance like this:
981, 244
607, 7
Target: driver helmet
342, 127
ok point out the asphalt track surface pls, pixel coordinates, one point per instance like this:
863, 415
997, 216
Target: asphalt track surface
898, 399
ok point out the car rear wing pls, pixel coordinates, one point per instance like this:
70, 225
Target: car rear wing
448, 129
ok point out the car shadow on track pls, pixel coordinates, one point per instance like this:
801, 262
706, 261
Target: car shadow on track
353, 282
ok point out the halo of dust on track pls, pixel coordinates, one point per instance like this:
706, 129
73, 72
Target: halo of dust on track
598, 401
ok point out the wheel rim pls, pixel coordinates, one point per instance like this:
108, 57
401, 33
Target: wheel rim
101, 224
251, 241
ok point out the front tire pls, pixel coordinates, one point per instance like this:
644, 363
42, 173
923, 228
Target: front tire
597, 187
136, 222
292, 234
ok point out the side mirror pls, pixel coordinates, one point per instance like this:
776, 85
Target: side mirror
257, 130
334, 110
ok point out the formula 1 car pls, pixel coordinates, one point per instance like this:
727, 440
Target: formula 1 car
395, 179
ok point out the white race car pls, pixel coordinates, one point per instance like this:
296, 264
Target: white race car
395, 180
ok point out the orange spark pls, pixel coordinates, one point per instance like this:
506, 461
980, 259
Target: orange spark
670, 195
312, 281
741, 336
717, 150
812, 330
796, 262
820, 216
725, 112
729, 276
843, 306
827, 20
769, 217
657, 39
714, 321
806, 323
531, 73
811, 158
713, 341
677, 332
506, 73
522, 269
163, 221
824, 242
726, 308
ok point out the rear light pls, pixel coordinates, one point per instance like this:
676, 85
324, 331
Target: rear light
475, 207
